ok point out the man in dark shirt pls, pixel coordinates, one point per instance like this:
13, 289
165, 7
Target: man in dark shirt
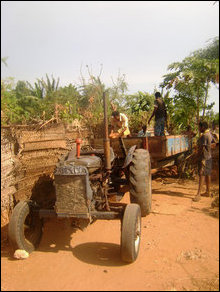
160, 114
204, 160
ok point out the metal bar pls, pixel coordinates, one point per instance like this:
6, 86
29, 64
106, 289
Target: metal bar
46, 213
106, 138
145, 143
105, 215
117, 204
71, 215
123, 146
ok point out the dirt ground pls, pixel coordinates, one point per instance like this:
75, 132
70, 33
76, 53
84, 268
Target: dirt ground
179, 250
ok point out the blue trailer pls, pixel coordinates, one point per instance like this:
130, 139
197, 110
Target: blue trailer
164, 150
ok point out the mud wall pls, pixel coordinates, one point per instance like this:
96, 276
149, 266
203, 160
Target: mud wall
8, 148
28, 159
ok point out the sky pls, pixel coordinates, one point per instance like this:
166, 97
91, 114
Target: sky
138, 39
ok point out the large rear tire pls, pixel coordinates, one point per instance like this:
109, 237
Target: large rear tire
140, 180
131, 233
25, 227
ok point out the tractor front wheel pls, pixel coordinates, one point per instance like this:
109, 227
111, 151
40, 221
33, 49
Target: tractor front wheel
25, 227
131, 233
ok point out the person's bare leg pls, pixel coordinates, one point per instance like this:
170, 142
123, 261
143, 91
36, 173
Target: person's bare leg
201, 182
208, 183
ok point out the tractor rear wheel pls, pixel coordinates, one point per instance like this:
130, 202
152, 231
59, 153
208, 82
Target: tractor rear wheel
140, 180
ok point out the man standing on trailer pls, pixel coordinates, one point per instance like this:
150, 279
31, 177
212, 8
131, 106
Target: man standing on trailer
160, 114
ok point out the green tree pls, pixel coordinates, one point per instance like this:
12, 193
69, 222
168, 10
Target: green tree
50, 86
67, 98
190, 83
38, 89
211, 51
10, 109
22, 89
210, 57
44, 89
117, 93
138, 107
91, 99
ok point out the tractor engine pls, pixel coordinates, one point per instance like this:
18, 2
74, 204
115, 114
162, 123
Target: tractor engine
78, 184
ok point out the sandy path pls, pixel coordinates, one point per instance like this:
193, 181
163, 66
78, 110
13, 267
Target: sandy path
179, 251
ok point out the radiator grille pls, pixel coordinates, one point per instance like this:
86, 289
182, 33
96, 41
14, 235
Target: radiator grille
70, 194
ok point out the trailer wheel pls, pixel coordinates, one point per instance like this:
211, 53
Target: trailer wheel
131, 233
140, 180
25, 227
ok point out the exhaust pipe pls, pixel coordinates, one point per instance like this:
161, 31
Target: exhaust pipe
106, 138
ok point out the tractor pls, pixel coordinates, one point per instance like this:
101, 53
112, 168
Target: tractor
89, 185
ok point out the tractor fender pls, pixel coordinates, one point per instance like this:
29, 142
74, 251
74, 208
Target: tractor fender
129, 156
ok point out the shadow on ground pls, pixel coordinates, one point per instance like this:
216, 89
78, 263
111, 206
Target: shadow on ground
213, 212
99, 253
57, 236
171, 193
6, 250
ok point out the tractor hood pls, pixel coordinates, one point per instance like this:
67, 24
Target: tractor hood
92, 163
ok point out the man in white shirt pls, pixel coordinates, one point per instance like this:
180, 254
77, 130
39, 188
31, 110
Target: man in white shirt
119, 125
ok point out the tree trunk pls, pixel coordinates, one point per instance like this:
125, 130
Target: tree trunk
206, 96
197, 110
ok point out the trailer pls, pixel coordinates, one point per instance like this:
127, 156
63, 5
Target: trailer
164, 150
